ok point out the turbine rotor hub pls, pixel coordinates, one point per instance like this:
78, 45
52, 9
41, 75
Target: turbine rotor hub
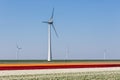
50, 22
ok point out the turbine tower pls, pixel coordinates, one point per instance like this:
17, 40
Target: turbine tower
18, 50
50, 24
105, 51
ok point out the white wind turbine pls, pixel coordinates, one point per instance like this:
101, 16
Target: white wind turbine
105, 51
50, 24
18, 51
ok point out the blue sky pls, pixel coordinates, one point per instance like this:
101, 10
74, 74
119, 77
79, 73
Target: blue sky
85, 27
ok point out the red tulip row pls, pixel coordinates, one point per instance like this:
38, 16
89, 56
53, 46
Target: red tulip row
57, 66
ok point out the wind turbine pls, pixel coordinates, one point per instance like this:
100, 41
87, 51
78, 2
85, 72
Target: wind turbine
50, 24
18, 50
105, 51
67, 53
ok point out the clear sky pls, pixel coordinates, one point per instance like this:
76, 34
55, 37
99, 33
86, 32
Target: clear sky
86, 29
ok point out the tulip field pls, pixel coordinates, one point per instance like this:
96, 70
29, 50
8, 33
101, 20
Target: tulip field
59, 70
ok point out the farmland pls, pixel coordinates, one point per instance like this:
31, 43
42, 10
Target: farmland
102, 74
60, 70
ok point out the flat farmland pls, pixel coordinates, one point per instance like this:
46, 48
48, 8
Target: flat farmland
60, 70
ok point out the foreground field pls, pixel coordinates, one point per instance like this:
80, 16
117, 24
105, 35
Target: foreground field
89, 75
111, 73
60, 70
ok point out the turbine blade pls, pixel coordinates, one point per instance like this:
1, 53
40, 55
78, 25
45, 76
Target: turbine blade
44, 21
52, 14
54, 30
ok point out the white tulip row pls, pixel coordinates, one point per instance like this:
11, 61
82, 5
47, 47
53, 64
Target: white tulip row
112, 73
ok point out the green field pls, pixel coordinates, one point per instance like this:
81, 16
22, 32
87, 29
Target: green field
103, 75
54, 61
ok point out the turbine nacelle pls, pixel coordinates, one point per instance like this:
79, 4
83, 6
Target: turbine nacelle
50, 22
18, 47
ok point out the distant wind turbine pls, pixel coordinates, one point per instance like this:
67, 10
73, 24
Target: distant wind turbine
67, 53
18, 50
50, 24
105, 51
